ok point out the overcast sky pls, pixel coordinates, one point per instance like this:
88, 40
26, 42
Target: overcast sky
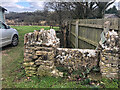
29, 5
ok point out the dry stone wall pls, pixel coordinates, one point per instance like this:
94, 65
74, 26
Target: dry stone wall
42, 55
110, 55
76, 59
109, 64
39, 53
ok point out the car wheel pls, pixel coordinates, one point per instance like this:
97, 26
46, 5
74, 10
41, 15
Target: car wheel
15, 40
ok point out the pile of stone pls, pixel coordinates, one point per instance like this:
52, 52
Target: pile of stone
39, 53
77, 59
110, 54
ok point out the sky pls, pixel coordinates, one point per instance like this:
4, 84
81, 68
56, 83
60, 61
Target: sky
30, 5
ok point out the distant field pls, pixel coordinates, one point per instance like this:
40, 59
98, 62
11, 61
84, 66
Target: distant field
14, 74
33, 27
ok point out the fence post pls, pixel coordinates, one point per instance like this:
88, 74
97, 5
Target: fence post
76, 32
119, 26
69, 31
65, 28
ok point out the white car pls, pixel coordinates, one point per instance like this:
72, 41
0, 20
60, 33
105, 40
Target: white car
8, 35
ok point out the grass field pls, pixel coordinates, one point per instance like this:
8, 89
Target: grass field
14, 74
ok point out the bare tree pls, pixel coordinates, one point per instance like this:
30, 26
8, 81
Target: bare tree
61, 9
90, 9
80, 10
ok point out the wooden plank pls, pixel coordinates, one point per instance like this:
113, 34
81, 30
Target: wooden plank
97, 26
91, 25
73, 24
72, 28
72, 43
72, 38
73, 34
88, 41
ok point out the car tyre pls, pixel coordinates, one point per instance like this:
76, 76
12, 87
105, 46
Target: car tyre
15, 40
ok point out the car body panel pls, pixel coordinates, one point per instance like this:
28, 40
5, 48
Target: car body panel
7, 34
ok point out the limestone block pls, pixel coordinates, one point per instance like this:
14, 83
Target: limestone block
48, 63
30, 73
39, 62
30, 48
27, 59
41, 52
56, 73
43, 71
34, 57
44, 48
51, 56
28, 63
26, 50
30, 55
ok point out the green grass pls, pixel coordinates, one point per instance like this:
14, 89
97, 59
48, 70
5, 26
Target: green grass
14, 74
